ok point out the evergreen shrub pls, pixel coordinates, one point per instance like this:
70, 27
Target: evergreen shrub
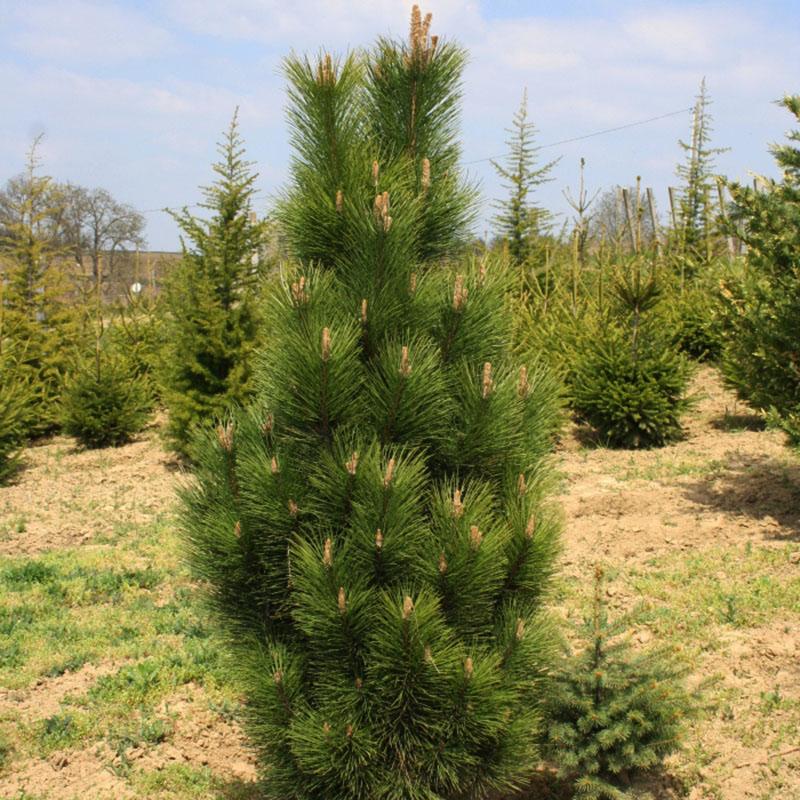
212, 318
613, 712
762, 307
104, 402
630, 381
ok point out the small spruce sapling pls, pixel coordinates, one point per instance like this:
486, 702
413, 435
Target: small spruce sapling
104, 401
612, 712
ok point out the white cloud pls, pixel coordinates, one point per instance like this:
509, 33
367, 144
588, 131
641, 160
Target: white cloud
83, 31
150, 129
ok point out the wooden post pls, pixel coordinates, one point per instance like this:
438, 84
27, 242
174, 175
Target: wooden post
673, 206
651, 206
626, 197
723, 211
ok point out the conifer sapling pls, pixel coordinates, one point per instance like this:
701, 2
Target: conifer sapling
613, 712
213, 319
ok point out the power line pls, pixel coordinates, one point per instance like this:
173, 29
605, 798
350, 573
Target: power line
591, 135
492, 158
167, 209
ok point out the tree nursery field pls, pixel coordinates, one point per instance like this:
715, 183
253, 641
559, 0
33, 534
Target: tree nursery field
344, 502
115, 685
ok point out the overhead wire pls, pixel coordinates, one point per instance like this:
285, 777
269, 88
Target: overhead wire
570, 140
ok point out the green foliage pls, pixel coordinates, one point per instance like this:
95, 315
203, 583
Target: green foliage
695, 220
213, 321
519, 221
695, 318
385, 120
17, 399
633, 394
140, 332
372, 528
760, 358
36, 317
630, 380
104, 402
612, 712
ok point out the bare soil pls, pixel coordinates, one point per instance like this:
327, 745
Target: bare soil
726, 484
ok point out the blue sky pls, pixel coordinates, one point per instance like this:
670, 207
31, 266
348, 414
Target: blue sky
132, 96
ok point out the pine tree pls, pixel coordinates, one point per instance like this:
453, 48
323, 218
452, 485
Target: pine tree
372, 529
213, 318
760, 354
612, 712
697, 175
520, 220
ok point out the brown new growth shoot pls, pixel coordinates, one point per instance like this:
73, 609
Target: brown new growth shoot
475, 537
299, 294
389, 474
425, 181
487, 382
326, 75
405, 366
408, 607
458, 506
381, 211
459, 293
225, 436
327, 555
326, 344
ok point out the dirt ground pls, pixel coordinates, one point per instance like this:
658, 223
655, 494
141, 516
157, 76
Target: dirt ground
654, 518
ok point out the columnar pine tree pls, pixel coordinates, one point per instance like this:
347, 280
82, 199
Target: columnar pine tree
520, 220
372, 528
213, 318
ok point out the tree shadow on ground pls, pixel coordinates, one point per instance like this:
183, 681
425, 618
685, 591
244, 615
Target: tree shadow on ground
731, 423
655, 785
760, 487
238, 789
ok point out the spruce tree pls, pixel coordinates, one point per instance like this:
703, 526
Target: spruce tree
520, 220
211, 299
760, 352
613, 712
35, 314
372, 528
697, 176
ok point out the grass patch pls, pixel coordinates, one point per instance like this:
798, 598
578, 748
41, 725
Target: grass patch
181, 781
